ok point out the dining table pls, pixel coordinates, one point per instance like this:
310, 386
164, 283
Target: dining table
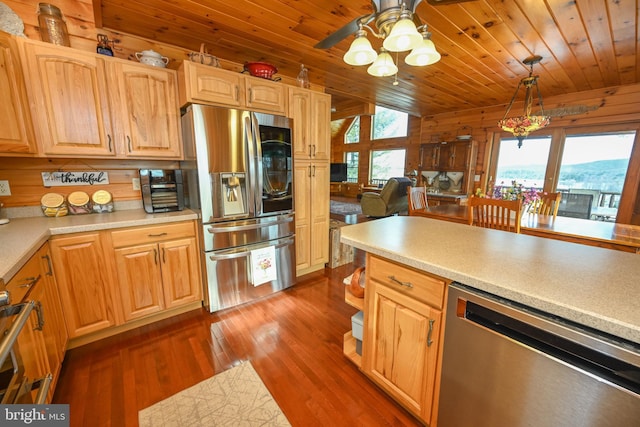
624, 237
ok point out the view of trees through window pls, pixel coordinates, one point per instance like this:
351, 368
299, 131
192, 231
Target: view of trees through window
388, 123
386, 164
353, 134
351, 158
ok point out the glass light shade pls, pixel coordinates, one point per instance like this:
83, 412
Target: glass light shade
404, 36
523, 125
424, 54
383, 66
360, 52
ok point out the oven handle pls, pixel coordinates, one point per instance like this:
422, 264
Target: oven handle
12, 334
43, 390
226, 229
245, 253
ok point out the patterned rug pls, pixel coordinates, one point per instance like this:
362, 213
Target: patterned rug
236, 397
343, 208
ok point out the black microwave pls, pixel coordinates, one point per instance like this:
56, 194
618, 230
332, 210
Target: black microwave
162, 190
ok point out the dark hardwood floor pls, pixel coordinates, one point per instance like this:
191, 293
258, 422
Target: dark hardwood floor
292, 338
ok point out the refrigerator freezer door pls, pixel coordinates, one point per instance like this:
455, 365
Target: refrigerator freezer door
232, 277
223, 235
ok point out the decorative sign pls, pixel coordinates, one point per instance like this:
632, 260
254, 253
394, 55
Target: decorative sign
65, 179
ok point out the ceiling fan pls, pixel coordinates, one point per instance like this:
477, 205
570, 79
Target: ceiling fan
385, 14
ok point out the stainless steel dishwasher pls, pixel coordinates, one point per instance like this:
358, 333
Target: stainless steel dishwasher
505, 365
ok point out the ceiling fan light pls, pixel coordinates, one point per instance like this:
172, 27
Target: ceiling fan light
404, 36
383, 66
424, 54
360, 52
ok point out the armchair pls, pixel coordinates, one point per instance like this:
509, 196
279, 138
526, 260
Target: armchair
391, 200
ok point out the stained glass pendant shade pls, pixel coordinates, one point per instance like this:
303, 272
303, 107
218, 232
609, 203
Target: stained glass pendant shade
521, 126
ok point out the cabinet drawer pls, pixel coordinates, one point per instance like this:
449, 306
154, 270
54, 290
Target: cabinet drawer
24, 280
157, 233
417, 284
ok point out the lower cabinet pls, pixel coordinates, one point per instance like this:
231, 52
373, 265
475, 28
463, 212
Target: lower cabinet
402, 334
110, 278
157, 268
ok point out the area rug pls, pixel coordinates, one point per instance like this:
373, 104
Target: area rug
343, 208
236, 397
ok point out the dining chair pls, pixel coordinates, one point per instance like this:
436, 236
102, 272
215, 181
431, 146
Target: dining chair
547, 204
495, 213
417, 197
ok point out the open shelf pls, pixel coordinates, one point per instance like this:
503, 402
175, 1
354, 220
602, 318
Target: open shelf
353, 301
349, 349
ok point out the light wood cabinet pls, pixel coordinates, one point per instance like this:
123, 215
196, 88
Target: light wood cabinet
311, 113
16, 128
402, 333
157, 268
311, 198
93, 105
42, 342
82, 273
204, 84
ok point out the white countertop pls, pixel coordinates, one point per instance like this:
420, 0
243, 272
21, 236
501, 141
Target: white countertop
588, 285
22, 237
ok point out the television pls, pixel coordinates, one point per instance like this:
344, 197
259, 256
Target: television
338, 172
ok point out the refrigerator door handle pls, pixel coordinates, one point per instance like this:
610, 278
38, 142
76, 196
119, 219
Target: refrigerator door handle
224, 229
246, 253
249, 135
257, 146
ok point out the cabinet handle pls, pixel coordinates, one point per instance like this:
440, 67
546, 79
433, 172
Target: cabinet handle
430, 333
157, 235
250, 95
40, 316
109, 142
129, 143
314, 150
407, 284
309, 171
314, 171
30, 281
164, 258
48, 258
155, 256
309, 150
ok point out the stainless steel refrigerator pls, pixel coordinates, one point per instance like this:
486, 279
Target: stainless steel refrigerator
239, 174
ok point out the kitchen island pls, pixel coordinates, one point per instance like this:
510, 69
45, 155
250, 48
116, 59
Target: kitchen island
591, 286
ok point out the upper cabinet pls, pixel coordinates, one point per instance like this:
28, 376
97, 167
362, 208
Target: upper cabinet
93, 105
311, 114
210, 85
446, 156
16, 130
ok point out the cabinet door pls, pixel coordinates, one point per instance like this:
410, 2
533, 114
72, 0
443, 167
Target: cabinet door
265, 95
54, 330
84, 283
319, 212
320, 126
430, 154
144, 100
139, 280
302, 200
300, 112
447, 154
460, 159
16, 129
401, 347
213, 85
180, 272
69, 94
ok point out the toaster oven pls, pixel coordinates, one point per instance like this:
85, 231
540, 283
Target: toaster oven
162, 190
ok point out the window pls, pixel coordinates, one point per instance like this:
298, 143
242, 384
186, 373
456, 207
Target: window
352, 135
388, 123
526, 165
351, 158
591, 170
386, 164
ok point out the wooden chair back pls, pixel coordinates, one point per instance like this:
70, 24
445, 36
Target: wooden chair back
547, 204
417, 197
495, 213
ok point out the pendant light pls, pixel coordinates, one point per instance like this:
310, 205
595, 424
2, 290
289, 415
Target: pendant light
383, 66
404, 35
521, 126
425, 53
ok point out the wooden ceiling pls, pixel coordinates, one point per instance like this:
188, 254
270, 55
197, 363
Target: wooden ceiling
584, 44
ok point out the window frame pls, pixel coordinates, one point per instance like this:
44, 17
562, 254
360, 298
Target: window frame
372, 132
371, 156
